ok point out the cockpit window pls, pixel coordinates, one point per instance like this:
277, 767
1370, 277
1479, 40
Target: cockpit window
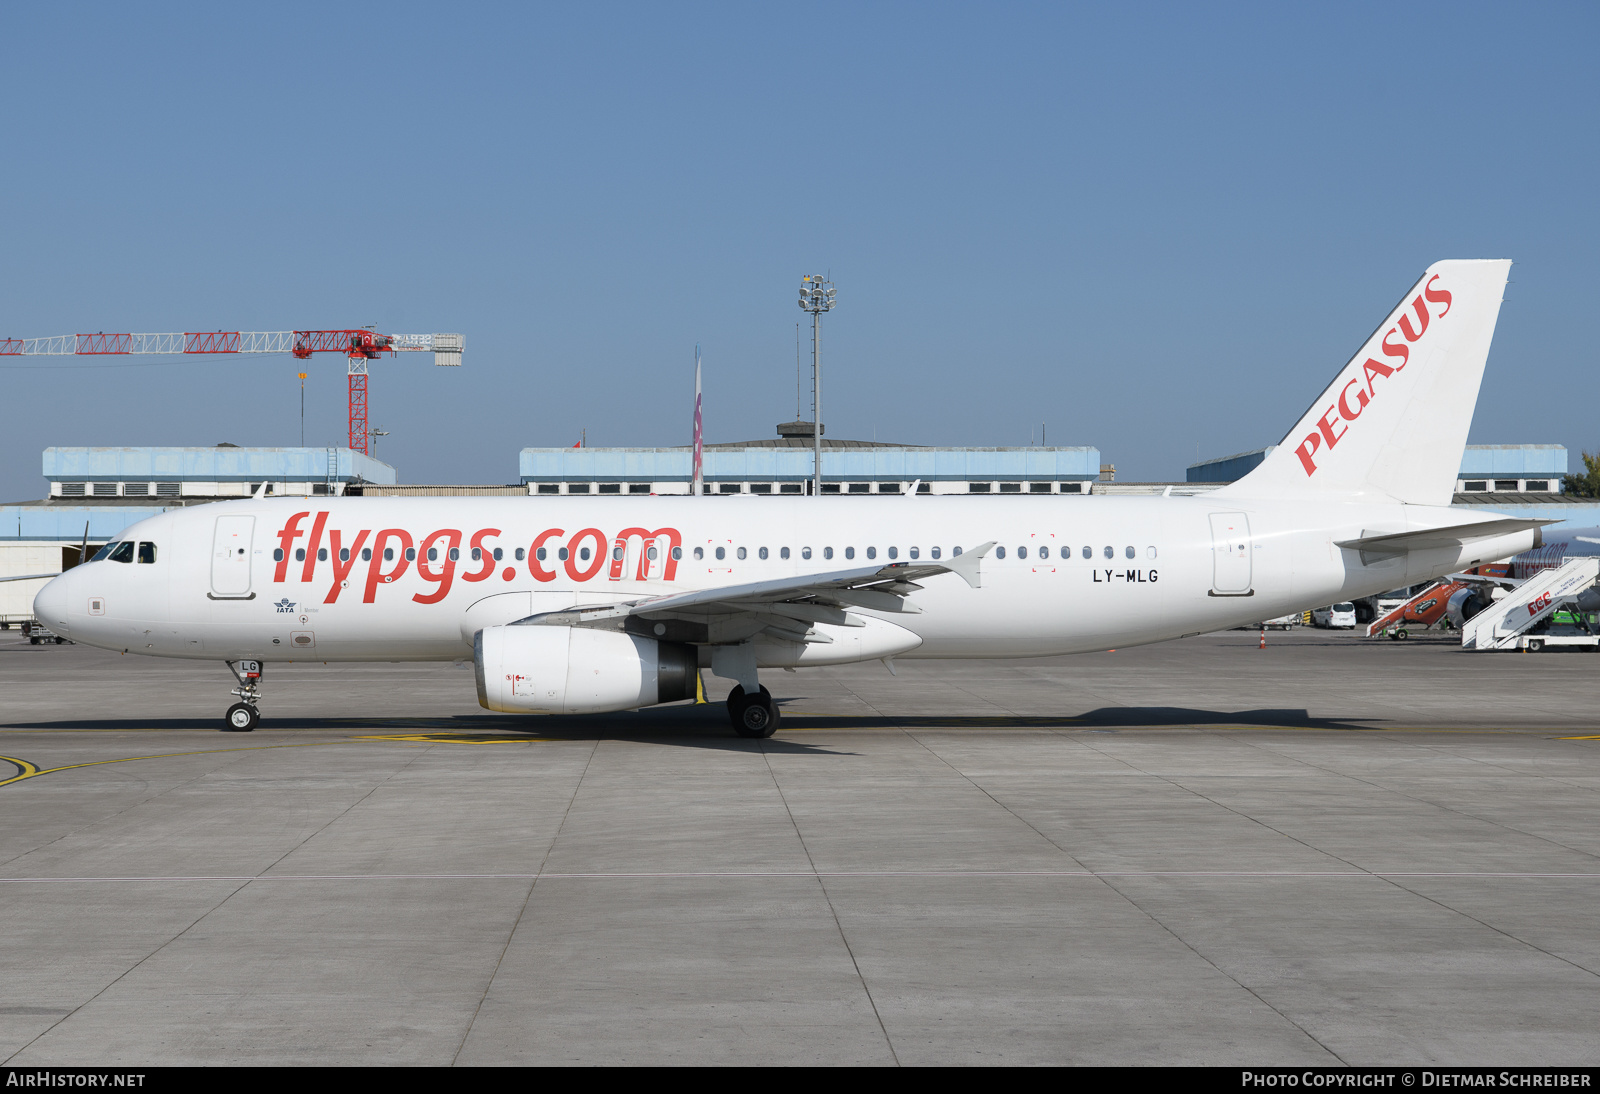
124, 552
104, 551
147, 552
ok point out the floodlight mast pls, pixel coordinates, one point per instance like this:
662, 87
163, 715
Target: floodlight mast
816, 297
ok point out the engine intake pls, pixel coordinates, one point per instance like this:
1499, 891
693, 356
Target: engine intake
577, 670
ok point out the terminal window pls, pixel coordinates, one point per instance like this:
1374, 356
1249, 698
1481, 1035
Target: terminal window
790, 488
1506, 485
72, 489
171, 489
611, 488
1476, 485
1038, 488
1538, 484
761, 488
1011, 488
861, 488
638, 488
549, 488
977, 488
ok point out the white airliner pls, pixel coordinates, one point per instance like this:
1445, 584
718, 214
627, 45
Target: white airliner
596, 604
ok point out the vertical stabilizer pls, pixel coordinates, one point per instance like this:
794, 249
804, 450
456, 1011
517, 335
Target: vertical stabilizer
1393, 424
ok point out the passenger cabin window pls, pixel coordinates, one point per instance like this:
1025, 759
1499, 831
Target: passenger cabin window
455, 554
521, 554
561, 554
411, 554
677, 553
1088, 552
722, 552
1149, 552
299, 554
344, 554
277, 554
147, 552
433, 554
955, 552
499, 554
1111, 552
322, 554
827, 552
783, 552
934, 553
999, 552
849, 552
366, 554
805, 552
894, 552
124, 552
388, 554
1128, 553
741, 552
699, 552
762, 554
872, 552
477, 554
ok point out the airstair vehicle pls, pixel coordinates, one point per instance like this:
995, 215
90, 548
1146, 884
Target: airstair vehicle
1426, 608
1511, 623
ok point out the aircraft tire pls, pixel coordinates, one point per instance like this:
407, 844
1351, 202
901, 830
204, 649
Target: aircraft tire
753, 716
241, 718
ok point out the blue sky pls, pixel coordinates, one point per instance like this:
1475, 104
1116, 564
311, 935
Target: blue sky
1157, 229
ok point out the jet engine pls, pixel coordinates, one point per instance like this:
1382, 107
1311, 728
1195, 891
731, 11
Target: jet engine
1468, 602
577, 670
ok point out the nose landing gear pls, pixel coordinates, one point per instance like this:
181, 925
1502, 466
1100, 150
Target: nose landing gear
243, 717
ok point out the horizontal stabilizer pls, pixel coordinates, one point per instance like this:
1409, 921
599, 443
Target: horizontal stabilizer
1399, 543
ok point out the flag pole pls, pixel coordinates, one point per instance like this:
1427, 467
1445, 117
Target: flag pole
699, 436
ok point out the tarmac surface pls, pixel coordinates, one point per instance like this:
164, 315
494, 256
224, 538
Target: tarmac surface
1335, 850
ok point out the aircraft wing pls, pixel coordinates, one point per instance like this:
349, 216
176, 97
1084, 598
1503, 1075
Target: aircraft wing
1398, 543
784, 607
29, 577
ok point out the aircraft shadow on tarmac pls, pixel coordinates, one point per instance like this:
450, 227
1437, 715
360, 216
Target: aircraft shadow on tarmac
706, 726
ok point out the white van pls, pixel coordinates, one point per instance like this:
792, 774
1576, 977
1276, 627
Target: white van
1337, 615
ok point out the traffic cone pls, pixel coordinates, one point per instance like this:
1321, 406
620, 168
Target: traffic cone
1263, 638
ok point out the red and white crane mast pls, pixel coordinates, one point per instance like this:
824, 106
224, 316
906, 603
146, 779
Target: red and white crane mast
358, 346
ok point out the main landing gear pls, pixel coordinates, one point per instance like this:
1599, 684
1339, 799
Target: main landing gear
243, 717
752, 715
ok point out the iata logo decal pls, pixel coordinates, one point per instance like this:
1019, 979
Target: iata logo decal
390, 554
1358, 392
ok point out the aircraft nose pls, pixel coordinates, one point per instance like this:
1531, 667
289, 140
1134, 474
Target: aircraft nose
50, 606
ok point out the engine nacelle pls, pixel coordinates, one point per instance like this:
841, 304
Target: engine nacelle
577, 670
1466, 603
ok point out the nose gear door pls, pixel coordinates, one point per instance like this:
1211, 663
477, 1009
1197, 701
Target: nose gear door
1230, 555
230, 557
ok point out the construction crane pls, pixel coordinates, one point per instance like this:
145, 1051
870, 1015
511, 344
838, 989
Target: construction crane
358, 346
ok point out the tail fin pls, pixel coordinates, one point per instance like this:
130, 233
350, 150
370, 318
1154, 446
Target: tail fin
1393, 424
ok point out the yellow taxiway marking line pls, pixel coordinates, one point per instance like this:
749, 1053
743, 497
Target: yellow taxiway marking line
26, 770
452, 738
